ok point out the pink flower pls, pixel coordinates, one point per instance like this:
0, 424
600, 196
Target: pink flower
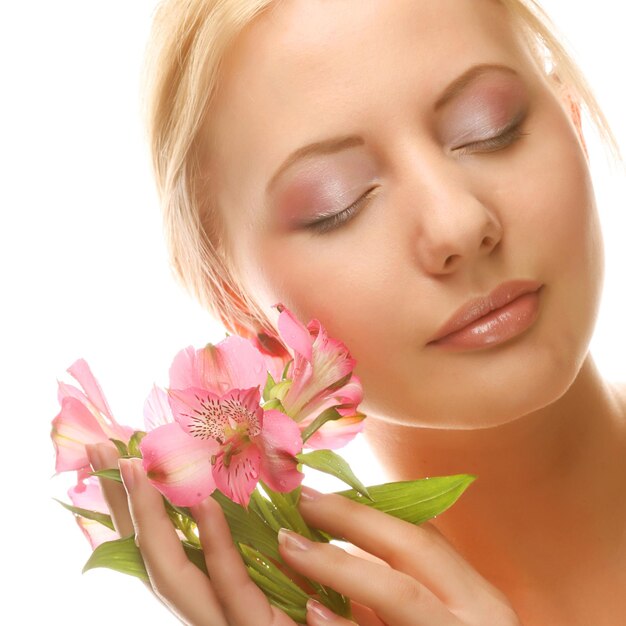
156, 409
216, 434
275, 354
322, 378
87, 494
85, 417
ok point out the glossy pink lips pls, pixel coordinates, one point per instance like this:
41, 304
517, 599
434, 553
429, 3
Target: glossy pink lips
484, 322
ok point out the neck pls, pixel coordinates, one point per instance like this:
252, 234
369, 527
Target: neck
547, 486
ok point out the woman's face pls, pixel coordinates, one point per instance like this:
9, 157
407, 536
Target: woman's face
446, 210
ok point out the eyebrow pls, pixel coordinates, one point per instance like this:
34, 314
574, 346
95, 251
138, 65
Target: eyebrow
337, 144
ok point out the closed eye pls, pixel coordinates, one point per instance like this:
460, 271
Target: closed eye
506, 138
333, 221
509, 136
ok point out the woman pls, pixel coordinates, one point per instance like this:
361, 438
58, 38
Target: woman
397, 170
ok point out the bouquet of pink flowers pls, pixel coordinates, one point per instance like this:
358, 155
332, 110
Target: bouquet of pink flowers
234, 424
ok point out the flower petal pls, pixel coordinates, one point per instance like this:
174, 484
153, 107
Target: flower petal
294, 333
275, 354
73, 428
156, 409
87, 494
240, 477
178, 465
108, 424
204, 414
232, 363
82, 373
280, 441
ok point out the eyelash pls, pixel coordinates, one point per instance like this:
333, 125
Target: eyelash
503, 140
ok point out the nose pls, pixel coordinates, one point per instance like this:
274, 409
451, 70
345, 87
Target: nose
454, 228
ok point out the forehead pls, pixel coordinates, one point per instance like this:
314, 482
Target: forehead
306, 70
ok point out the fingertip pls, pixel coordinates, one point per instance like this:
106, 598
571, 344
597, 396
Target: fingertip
204, 507
309, 495
127, 472
108, 454
317, 613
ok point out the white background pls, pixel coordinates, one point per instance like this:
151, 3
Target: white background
84, 270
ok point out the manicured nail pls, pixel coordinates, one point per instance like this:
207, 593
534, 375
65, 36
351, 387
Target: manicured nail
309, 495
319, 610
127, 472
292, 541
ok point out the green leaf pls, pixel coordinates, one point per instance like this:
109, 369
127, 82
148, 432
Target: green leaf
133, 444
279, 390
121, 447
269, 383
297, 613
279, 582
266, 510
274, 404
103, 518
246, 526
414, 501
286, 503
284, 374
331, 463
121, 555
111, 474
326, 416
196, 556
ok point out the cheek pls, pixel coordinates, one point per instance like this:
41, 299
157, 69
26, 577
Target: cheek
368, 294
345, 288
555, 225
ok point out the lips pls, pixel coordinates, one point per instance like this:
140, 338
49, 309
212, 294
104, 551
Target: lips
479, 307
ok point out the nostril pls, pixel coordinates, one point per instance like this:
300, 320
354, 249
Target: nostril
450, 260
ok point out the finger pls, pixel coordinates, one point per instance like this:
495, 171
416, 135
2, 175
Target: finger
394, 596
362, 615
105, 456
319, 615
243, 603
419, 551
178, 582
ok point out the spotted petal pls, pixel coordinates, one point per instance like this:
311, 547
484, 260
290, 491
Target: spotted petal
240, 477
204, 414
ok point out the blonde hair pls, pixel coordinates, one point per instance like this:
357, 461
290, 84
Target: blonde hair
186, 49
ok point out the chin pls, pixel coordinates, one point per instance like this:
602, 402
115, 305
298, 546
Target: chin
489, 400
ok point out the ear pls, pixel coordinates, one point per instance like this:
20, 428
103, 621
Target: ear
571, 105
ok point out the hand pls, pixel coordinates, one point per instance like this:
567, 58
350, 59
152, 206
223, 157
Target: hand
407, 575
411, 575
229, 598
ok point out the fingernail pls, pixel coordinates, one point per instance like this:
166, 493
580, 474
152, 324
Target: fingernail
93, 454
319, 610
308, 495
292, 541
128, 475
